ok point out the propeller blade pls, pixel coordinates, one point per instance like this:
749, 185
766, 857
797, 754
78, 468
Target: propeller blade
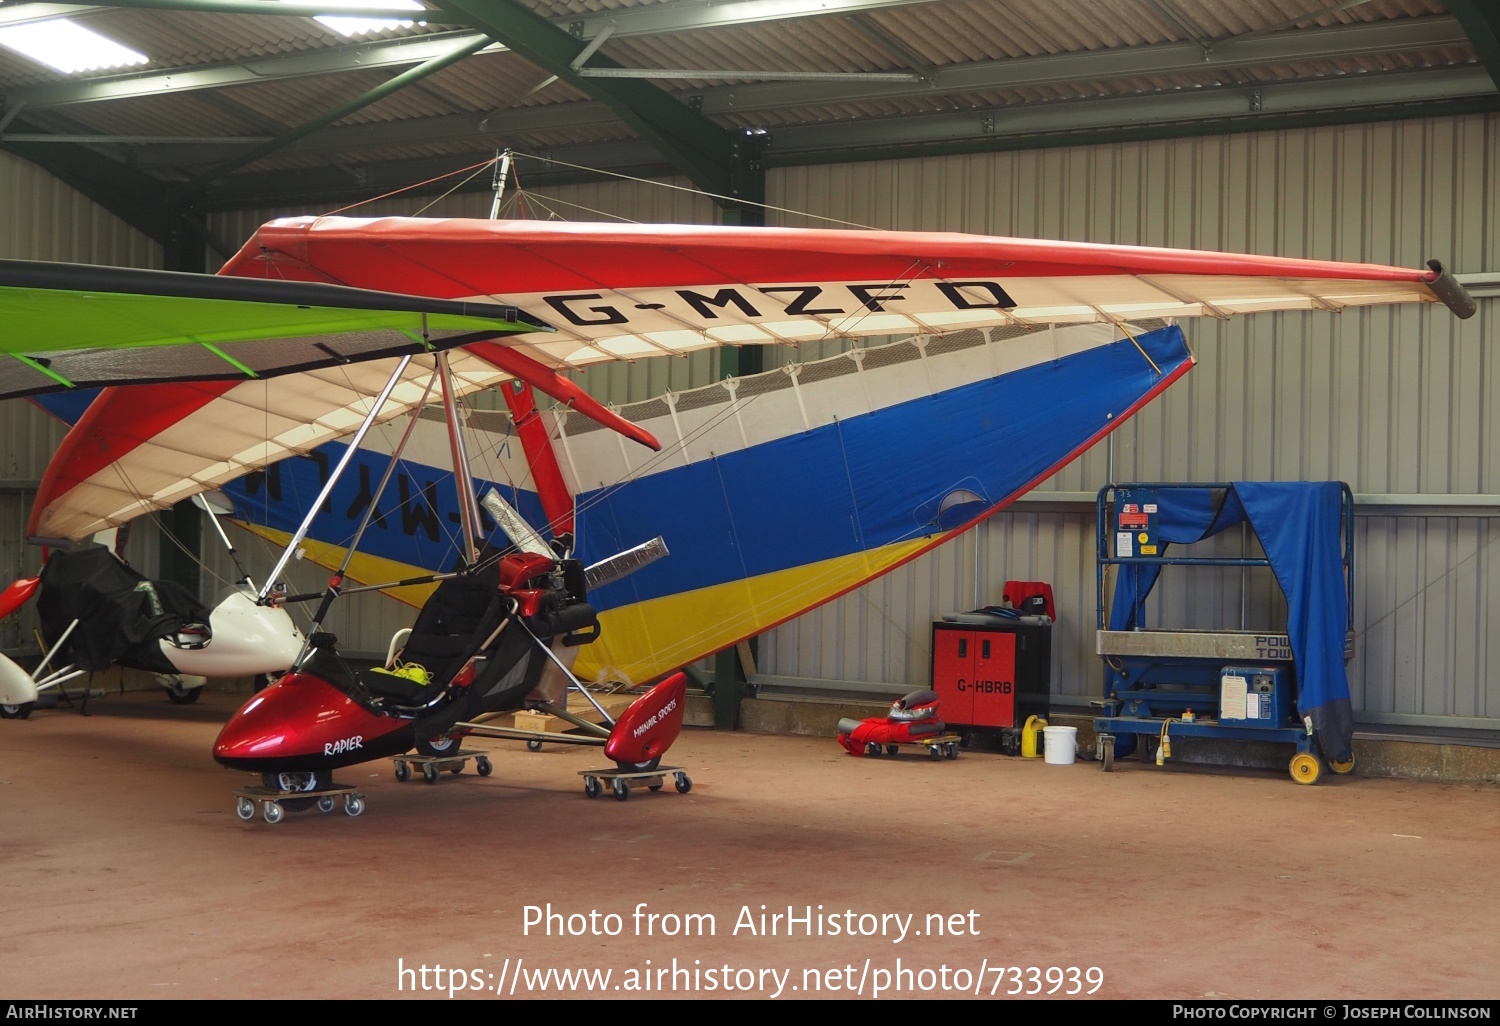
622, 564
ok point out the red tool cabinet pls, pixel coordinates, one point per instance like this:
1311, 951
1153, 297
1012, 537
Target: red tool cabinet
991, 676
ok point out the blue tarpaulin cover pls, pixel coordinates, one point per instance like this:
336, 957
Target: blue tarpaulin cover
1298, 524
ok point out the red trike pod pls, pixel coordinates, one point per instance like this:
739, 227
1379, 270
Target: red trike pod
647, 729
912, 718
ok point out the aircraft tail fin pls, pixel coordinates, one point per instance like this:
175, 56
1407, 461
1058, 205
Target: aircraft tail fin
647, 729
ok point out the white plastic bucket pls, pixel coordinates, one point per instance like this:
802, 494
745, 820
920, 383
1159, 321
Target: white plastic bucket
1062, 745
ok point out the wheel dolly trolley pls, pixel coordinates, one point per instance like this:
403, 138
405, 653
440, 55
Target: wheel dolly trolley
1229, 684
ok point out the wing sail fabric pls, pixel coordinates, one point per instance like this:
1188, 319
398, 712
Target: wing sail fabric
143, 448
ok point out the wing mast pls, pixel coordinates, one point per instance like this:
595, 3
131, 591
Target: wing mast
558, 503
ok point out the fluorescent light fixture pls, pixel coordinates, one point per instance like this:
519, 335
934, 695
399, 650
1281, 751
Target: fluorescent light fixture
359, 26
61, 44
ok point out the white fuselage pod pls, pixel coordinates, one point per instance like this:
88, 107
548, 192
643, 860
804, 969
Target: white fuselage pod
248, 639
16, 685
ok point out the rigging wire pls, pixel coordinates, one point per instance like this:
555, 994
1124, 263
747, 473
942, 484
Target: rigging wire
569, 203
408, 188
451, 191
695, 191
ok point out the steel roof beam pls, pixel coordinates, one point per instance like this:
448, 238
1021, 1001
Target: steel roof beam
394, 52
378, 93
954, 143
1076, 123
1400, 35
660, 19
1481, 22
1411, 91
96, 139
716, 160
385, 53
289, 9
1018, 72
641, 21
1396, 35
662, 74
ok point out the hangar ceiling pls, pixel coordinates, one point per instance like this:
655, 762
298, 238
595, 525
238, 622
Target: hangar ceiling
249, 103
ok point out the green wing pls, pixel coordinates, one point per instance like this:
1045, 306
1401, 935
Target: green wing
77, 325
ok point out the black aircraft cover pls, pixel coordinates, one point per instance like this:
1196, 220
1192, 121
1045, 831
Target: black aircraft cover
121, 613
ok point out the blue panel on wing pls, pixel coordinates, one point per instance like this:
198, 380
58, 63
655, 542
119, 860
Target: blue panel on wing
874, 479
68, 405
417, 516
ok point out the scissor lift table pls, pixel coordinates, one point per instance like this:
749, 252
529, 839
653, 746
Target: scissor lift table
1152, 677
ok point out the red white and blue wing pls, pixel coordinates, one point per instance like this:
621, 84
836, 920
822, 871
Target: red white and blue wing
623, 292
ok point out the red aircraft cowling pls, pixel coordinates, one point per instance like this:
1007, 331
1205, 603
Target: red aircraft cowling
303, 723
647, 729
15, 596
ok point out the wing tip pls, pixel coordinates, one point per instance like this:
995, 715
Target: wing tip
1449, 291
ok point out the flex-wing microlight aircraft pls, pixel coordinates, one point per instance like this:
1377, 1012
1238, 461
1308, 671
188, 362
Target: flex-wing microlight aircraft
775, 492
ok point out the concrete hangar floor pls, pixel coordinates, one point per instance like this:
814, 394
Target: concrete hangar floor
128, 875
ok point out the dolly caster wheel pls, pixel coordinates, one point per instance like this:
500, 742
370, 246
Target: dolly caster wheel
325, 803
403, 771
1342, 768
621, 789
456, 770
533, 745
653, 787
430, 773
891, 749
935, 752
245, 809
684, 783
950, 750
1107, 752
1306, 768
353, 804
871, 748
591, 787
484, 766
273, 812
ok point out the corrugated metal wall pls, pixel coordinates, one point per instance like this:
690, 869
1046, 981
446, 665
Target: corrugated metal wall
43, 219
1391, 401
